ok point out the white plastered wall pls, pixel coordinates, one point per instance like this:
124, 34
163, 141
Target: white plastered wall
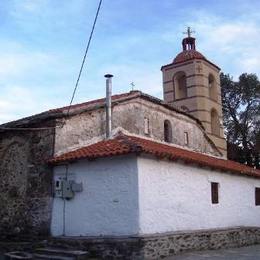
108, 204
126, 195
177, 197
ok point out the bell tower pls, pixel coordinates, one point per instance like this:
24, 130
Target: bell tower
192, 83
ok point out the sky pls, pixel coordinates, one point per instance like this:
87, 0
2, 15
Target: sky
42, 43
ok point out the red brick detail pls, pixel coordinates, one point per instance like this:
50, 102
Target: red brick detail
188, 55
185, 56
124, 144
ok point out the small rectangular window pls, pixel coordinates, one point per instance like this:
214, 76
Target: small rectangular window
214, 192
57, 184
146, 126
257, 196
186, 138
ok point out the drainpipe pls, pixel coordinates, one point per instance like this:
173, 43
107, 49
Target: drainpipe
108, 105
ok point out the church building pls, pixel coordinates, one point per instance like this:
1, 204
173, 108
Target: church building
150, 174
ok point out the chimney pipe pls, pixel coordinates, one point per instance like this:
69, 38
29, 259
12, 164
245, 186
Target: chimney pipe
108, 105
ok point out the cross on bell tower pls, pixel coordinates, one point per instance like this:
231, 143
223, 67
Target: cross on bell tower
188, 43
189, 32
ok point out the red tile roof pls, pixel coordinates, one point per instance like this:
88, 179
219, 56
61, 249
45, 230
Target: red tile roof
100, 101
93, 104
121, 98
124, 144
188, 55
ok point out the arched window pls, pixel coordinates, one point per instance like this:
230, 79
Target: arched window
212, 87
167, 131
180, 85
146, 126
186, 138
215, 124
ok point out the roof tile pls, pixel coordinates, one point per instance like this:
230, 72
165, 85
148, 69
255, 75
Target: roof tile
116, 97
125, 144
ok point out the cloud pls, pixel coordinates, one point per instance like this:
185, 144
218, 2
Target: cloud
146, 77
18, 64
30, 81
43, 45
251, 64
20, 101
17, 102
30, 5
232, 43
30, 15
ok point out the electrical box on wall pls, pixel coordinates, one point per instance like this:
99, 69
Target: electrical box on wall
66, 188
76, 187
67, 192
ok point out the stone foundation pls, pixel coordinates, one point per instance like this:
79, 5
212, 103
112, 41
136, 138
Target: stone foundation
147, 247
28, 246
161, 245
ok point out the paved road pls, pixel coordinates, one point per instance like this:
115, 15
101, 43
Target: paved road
247, 253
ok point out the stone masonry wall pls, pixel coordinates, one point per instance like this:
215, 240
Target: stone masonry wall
25, 183
88, 127
132, 116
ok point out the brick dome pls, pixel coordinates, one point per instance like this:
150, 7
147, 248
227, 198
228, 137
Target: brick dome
189, 52
188, 55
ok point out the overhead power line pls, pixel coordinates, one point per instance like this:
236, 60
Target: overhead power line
77, 82
85, 55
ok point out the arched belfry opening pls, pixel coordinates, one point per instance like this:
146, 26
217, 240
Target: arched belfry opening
180, 85
212, 87
188, 44
215, 123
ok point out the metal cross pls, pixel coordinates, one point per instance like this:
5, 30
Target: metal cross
189, 31
132, 85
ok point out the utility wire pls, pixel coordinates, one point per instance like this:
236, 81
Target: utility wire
85, 56
77, 82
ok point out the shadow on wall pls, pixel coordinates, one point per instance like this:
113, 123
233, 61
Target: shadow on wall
108, 204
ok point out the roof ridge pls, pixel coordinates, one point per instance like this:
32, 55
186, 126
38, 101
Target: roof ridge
59, 112
97, 100
174, 145
124, 144
126, 140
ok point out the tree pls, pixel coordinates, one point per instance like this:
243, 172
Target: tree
241, 117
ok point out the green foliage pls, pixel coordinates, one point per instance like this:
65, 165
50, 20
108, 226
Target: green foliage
241, 117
